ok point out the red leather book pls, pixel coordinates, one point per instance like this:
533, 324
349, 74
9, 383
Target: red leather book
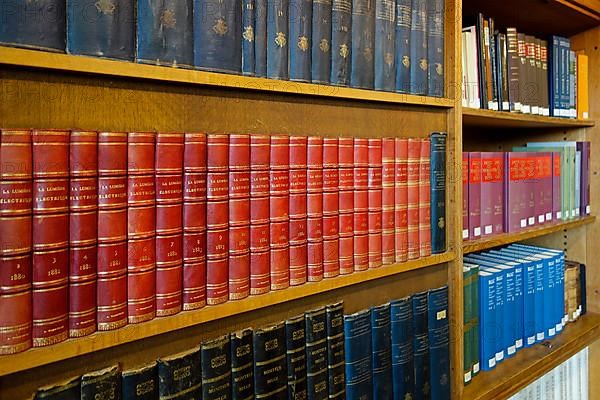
50, 236
375, 202
414, 154
388, 179
260, 277
401, 199
298, 210
279, 211
361, 203
16, 191
298, 250
424, 200
346, 205
141, 227
331, 265
314, 209
83, 226
168, 162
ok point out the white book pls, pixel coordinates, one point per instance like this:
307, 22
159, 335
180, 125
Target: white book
465, 91
585, 375
472, 70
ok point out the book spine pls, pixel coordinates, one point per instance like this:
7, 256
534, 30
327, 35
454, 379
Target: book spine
530, 179
385, 45
346, 205
39, 25
491, 189
331, 265
487, 317
374, 192
104, 383
363, 44
216, 368
523, 75
180, 375
279, 212
439, 343
553, 76
300, 26
321, 41
467, 324
260, 281
413, 172
465, 196
513, 61
297, 211
435, 47
381, 352
585, 178
358, 354
493, 65
476, 319
502, 52
402, 349
242, 360
341, 38
474, 195
545, 175
564, 77
335, 351
583, 101
316, 354
420, 343
401, 199
140, 383
418, 53
572, 84
388, 193
544, 77
361, 231
538, 76
248, 36
425, 199
314, 208
296, 357
277, 39
402, 51
438, 192
270, 366
260, 38
481, 61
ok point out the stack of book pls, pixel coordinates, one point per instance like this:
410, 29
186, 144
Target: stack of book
512, 71
540, 183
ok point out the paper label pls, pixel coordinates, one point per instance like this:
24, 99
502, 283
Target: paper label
566, 213
500, 356
518, 106
541, 219
465, 233
539, 336
488, 229
492, 363
559, 215
531, 340
519, 343
511, 350
441, 315
551, 332
467, 376
531, 220
525, 109
534, 110
477, 231
476, 368
549, 216
505, 105
523, 223
588, 209
576, 211
586, 115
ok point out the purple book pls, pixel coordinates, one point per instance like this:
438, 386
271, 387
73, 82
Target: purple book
516, 192
465, 200
584, 148
492, 193
543, 187
531, 188
474, 195
556, 194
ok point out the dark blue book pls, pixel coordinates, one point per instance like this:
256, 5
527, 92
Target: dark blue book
69, 390
242, 360
321, 41
102, 384
382, 353
260, 38
36, 24
300, 39
418, 48
270, 365
316, 354
421, 346
341, 41
218, 36
216, 368
385, 45
363, 44
164, 32
437, 172
439, 343
277, 39
140, 383
295, 337
554, 75
335, 351
402, 349
403, 24
357, 334
101, 28
435, 47
248, 36
180, 376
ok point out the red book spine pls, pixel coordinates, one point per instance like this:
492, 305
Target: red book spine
314, 209
279, 189
331, 262
239, 216
401, 199
297, 210
83, 227
346, 205
260, 276
141, 227
112, 231
424, 200
50, 236
375, 202
361, 203
169, 223
413, 172
388, 216
194, 221
16, 191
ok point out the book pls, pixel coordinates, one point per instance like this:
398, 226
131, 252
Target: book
335, 351
425, 199
248, 36
298, 211
358, 354
421, 345
295, 334
216, 368
439, 343
39, 25
402, 348
419, 65
300, 25
260, 37
321, 41
277, 39
314, 208
385, 45
401, 199
363, 44
487, 320
361, 198
140, 383
513, 63
102, 383
279, 212
316, 354
438, 192
374, 198
474, 195
388, 201
435, 47
341, 42
68, 390
331, 203
465, 198
180, 375
413, 180
270, 370
583, 105
492, 193
242, 356
346, 204
402, 52
468, 355
381, 362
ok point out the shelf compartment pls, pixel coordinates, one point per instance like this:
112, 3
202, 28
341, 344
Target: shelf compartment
474, 117
529, 364
471, 246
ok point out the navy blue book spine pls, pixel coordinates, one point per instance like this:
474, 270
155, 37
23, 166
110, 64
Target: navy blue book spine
217, 35
277, 39
216, 369
164, 32
101, 28
70, 390
363, 44
439, 343
316, 354
382, 355
295, 337
105, 383
341, 41
402, 349
248, 36
335, 351
403, 23
357, 333
180, 376
242, 360
270, 364
141, 383
437, 172
553, 75
385, 45
260, 38
421, 346
435, 47
418, 49
300, 39
35, 24
321, 41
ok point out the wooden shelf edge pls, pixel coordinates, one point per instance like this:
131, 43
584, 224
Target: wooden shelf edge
479, 117
91, 65
103, 340
529, 364
507, 238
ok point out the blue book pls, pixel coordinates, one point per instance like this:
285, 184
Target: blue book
102, 28
217, 35
421, 346
316, 354
403, 24
248, 36
260, 38
418, 48
37, 24
402, 349
164, 32
341, 41
363, 44
321, 41
487, 320
277, 39
439, 343
437, 172
357, 332
435, 47
385, 45
381, 347
300, 39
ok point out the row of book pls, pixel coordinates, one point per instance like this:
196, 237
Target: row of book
391, 45
515, 297
536, 184
512, 71
98, 230
569, 380
396, 350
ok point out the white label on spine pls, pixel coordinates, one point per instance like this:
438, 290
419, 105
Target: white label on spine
523, 223
549, 216
531, 220
540, 336
488, 229
511, 350
505, 105
541, 219
586, 115
530, 340
519, 343
467, 376
492, 362
476, 368
500, 355
477, 231
441, 315
588, 209
525, 109
551, 332
465, 233
558, 214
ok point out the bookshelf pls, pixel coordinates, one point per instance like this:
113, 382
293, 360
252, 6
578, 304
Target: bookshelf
473, 117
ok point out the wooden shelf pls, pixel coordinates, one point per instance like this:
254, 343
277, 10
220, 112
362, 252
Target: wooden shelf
513, 374
90, 65
506, 238
474, 117
103, 340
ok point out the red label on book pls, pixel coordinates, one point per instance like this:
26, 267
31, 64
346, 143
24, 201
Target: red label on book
314, 228
374, 177
279, 234
517, 168
239, 152
112, 192
259, 183
361, 178
361, 223
140, 190
15, 273
346, 224
50, 196
217, 243
239, 239
492, 169
374, 221
217, 152
297, 231
556, 159
388, 219
112, 259
194, 186
297, 180
543, 167
298, 146
279, 152
330, 152
314, 180
194, 152
140, 153
330, 179
169, 250
169, 188
346, 178
259, 237
279, 182
330, 226
141, 254
50, 267
82, 263
474, 170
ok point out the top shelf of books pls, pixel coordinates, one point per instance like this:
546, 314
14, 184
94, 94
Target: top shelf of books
474, 117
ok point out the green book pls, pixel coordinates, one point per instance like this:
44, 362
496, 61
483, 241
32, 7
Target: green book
468, 362
473, 310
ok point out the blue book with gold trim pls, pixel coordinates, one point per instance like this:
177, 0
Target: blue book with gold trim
403, 370
382, 352
363, 44
321, 41
439, 343
248, 36
403, 23
357, 333
435, 47
341, 42
418, 48
385, 45
300, 39
277, 39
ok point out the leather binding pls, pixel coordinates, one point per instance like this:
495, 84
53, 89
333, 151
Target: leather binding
50, 236
420, 345
260, 277
335, 351
102, 384
439, 343
374, 202
180, 376
314, 208
388, 216
361, 237
425, 199
168, 163
242, 372
296, 357
403, 372
382, 356
316, 354
357, 337
270, 367
141, 227
438, 193
69, 390
16, 193
346, 205
414, 153
83, 215
331, 263
194, 221
140, 383
216, 368
279, 212
401, 199
297, 210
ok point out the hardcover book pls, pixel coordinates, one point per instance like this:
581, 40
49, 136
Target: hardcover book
388, 201
346, 204
374, 202
248, 36
270, 367
403, 61
321, 41
492, 193
39, 25
413, 173
382, 354
69, 390
277, 39
385, 45
335, 351
357, 334
418, 49
140, 383
425, 199
435, 47
316, 354
438, 192
180, 375
465, 198
242, 372
260, 281
296, 357
401, 325
341, 42
401, 199
421, 345
105, 383
361, 238
474, 195
363, 44
300, 26
260, 37
439, 343
279, 212
216, 368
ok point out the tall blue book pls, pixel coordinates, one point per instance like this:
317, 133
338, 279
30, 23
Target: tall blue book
300, 15
437, 172
385, 45
435, 47
402, 349
487, 320
296, 357
270, 364
216, 368
335, 351
103, 28
381, 347
403, 24
277, 39
321, 41
439, 343
341, 41
260, 38
242, 374
217, 35
363, 44
418, 49
357, 333
421, 346
317, 377
165, 32
248, 36
140, 383
36, 24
